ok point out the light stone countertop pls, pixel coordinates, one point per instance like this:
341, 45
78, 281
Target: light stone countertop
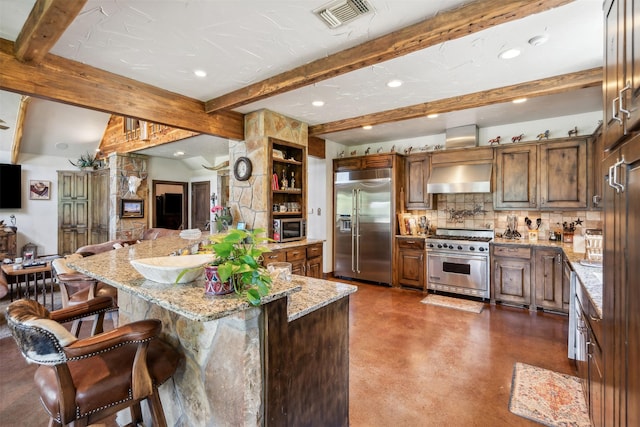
591, 282
189, 300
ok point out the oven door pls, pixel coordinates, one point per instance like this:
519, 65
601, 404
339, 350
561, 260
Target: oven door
458, 271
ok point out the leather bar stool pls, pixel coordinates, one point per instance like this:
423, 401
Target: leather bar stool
82, 381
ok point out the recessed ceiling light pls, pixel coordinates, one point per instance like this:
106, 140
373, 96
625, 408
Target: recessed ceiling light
367, 127
509, 54
62, 145
394, 83
538, 40
432, 116
178, 153
200, 73
317, 103
519, 100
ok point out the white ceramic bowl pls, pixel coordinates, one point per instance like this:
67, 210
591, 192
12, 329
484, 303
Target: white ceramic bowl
166, 269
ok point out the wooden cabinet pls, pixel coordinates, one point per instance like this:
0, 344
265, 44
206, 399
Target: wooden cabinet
371, 161
289, 165
516, 177
621, 72
306, 260
8, 245
548, 275
589, 357
563, 174
549, 175
73, 211
595, 158
83, 209
410, 264
314, 261
511, 274
417, 168
621, 293
99, 206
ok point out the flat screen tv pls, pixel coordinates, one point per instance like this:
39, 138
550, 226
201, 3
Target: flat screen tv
10, 186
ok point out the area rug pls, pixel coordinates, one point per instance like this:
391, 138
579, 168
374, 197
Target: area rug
548, 397
455, 303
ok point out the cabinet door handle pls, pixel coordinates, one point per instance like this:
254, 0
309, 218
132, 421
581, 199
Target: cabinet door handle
594, 319
621, 97
614, 114
613, 176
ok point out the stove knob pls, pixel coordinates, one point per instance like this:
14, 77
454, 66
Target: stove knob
471, 248
459, 247
439, 246
450, 246
481, 249
430, 245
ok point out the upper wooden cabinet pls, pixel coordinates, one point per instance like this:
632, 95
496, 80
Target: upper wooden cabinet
416, 175
621, 79
516, 178
563, 174
549, 175
371, 161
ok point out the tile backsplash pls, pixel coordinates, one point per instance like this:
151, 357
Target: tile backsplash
476, 211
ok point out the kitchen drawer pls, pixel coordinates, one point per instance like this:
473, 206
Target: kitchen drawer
314, 251
591, 314
275, 256
512, 251
296, 254
411, 243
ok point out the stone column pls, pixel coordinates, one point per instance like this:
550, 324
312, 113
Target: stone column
248, 199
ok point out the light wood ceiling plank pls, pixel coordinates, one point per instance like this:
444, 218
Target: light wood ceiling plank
446, 26
17, 136
44, 26
70, 82
535, 88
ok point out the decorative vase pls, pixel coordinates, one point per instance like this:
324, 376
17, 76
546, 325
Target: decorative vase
212, 283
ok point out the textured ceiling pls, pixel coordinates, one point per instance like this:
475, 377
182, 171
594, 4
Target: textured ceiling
239, 43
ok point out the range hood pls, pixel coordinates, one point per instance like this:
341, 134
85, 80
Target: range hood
460, 178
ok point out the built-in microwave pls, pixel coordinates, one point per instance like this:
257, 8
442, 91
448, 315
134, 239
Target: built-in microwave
289, 229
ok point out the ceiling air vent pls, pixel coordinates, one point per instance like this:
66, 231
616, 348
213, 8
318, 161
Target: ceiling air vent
340, 12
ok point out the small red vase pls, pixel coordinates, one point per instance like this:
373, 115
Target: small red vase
212, 283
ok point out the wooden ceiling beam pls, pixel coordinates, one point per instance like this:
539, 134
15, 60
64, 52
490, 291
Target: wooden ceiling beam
17, 136
532, 89
70, 82
44, 26
449, 25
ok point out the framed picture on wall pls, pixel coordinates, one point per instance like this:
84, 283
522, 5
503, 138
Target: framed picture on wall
39, 190
132, 208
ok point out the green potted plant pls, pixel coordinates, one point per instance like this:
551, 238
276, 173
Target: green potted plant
86, 161
238, 255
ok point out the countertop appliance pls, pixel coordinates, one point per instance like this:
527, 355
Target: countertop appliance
364, 224
458, 261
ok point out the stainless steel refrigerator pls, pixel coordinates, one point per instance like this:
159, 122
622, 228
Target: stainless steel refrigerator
364, 224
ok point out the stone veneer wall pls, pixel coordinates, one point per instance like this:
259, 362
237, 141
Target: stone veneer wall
220, 381
476, 211
249, 199
121, 166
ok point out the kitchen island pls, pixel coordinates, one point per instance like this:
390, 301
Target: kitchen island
285, 362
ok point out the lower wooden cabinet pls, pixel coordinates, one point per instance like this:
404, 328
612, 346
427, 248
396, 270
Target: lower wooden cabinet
306, 260
530, 276
410, 265
548, 278
8, 247
511, 274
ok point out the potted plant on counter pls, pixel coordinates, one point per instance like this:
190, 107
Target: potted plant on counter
237, 263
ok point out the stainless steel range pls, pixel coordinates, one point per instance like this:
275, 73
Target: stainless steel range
458, 261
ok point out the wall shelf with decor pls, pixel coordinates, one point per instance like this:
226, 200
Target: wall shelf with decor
288, 184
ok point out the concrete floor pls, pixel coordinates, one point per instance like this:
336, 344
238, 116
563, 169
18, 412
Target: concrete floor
411, 364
